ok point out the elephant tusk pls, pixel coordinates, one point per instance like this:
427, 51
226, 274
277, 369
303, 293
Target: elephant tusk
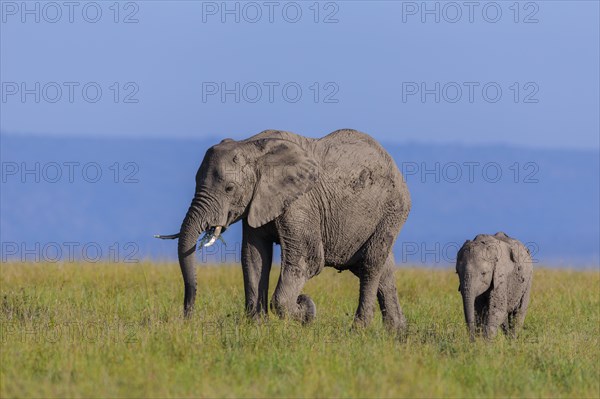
167, 237
213, 236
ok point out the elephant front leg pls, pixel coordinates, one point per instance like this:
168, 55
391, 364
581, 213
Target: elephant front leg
481, 312
257, 256
302, 257
497, 314
287, 300
519, 314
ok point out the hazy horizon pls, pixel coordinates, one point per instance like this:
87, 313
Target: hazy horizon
216, 139
134, 188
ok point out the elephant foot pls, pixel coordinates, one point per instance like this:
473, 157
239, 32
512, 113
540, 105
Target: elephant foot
471, 336
257, 316
489, 332
303, 310
396, 325
308, 310
362, 321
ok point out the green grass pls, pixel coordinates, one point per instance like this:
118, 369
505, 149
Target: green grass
116, 330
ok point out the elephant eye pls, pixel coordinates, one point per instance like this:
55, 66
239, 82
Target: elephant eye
230, 187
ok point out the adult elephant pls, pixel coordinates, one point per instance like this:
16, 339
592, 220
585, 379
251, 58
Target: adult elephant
338, 201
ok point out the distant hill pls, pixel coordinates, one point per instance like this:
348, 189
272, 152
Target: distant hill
55, 205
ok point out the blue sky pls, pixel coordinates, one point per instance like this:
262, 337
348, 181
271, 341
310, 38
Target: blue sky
519, 74
362, 65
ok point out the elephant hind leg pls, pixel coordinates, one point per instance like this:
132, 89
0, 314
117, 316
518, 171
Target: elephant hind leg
387, 296
376, 252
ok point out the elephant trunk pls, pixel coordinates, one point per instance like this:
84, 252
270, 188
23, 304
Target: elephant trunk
469, 309
193, 224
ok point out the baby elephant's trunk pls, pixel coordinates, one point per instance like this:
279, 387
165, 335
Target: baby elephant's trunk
469, 309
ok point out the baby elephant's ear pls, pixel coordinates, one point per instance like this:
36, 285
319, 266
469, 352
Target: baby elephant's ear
285, 171
505, 265
519, 254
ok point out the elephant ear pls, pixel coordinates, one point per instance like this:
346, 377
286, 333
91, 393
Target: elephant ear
504, 267
519, 255
285, 171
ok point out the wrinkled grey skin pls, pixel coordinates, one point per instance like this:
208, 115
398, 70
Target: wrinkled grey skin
338, 201
495, 275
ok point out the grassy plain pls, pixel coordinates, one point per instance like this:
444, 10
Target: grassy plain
109, 330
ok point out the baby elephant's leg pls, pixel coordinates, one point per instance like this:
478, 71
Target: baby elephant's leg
519, 314
481, 312
497, 314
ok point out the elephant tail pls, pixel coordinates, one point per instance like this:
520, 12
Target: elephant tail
167, 237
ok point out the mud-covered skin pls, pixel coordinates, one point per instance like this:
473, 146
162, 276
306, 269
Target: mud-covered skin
495, 274
338, 201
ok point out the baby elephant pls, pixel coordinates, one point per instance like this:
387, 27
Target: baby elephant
495, 281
